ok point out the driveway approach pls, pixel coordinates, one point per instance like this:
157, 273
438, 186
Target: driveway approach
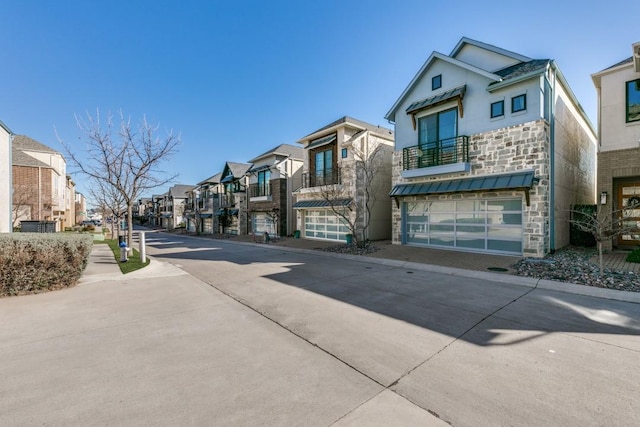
270, 336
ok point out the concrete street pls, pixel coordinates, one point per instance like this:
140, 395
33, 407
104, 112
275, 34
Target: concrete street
219, 333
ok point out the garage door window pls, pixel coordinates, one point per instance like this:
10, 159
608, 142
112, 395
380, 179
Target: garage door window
324, 224
477, 225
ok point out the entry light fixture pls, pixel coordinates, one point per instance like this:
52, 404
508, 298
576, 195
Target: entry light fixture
603, 198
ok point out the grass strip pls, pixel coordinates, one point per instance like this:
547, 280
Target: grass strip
134, 262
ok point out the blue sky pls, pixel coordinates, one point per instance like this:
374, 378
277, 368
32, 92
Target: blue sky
238, 78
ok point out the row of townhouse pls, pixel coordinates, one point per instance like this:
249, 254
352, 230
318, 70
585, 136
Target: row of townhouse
490, 152
35, 185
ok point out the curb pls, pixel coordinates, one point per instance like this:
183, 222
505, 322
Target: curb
529, 282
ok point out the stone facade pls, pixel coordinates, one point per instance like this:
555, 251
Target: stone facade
506, 150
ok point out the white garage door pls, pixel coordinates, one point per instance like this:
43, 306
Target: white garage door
263, 223
324, 224
474, 225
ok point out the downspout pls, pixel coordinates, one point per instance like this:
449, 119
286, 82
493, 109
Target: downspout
552, 179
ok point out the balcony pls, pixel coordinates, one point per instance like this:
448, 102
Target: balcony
227, 200
260, 191
444, 156
320, 178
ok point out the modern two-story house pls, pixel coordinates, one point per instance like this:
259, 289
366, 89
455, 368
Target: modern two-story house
492, 149
273, 177
233, 211
203, 204
346, 180
618, 89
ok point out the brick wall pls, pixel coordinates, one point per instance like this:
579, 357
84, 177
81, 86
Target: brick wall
27, 182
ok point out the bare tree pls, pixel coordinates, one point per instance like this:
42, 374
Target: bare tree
24, 204
363, 176
110, 201
128, 160
605, 225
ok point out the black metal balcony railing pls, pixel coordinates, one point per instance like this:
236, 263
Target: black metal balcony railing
260, 190
443, 152
320, 178
227, 200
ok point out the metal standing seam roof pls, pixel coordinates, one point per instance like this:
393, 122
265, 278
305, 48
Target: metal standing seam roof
322, 141
519, 180
320, 203
438, 99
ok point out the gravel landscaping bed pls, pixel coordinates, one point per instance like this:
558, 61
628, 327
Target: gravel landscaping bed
572, 265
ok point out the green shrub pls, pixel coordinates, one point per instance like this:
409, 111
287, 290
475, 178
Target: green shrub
33, 262
634, 256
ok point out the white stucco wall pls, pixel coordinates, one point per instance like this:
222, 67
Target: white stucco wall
5, 180
476, 103
484, 59
615, 134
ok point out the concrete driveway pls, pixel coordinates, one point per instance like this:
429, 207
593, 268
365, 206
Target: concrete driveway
257, 335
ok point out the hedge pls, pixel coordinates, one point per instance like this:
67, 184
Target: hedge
34, 262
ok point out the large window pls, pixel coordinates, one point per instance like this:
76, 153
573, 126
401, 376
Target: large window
437, 136
263, 189
633, 101
324, 167
474, 225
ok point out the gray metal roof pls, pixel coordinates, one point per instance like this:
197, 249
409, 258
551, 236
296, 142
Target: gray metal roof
438, 99
286, 150
23, 142
356, 122
518, 180
238, 170
322, 141
19, 158
303, 204
215, 179
180, 190
629, 60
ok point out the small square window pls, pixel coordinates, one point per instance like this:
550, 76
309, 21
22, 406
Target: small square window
519, 103
344, 153
497, 109
436, 82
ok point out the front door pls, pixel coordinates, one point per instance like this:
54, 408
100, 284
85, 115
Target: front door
629, 201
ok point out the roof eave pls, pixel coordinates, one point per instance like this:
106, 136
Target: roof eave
536, 73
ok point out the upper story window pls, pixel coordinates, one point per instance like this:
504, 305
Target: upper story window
633, 101
263, 178
497, 109
344, 153
519, 103
439, 129
436, 82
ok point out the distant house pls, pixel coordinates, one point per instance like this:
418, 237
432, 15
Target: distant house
618, 90
203, 204
6, 210
333, 194
232, 213
272, 178
173, 206
40, 173
81, 207
491, 151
